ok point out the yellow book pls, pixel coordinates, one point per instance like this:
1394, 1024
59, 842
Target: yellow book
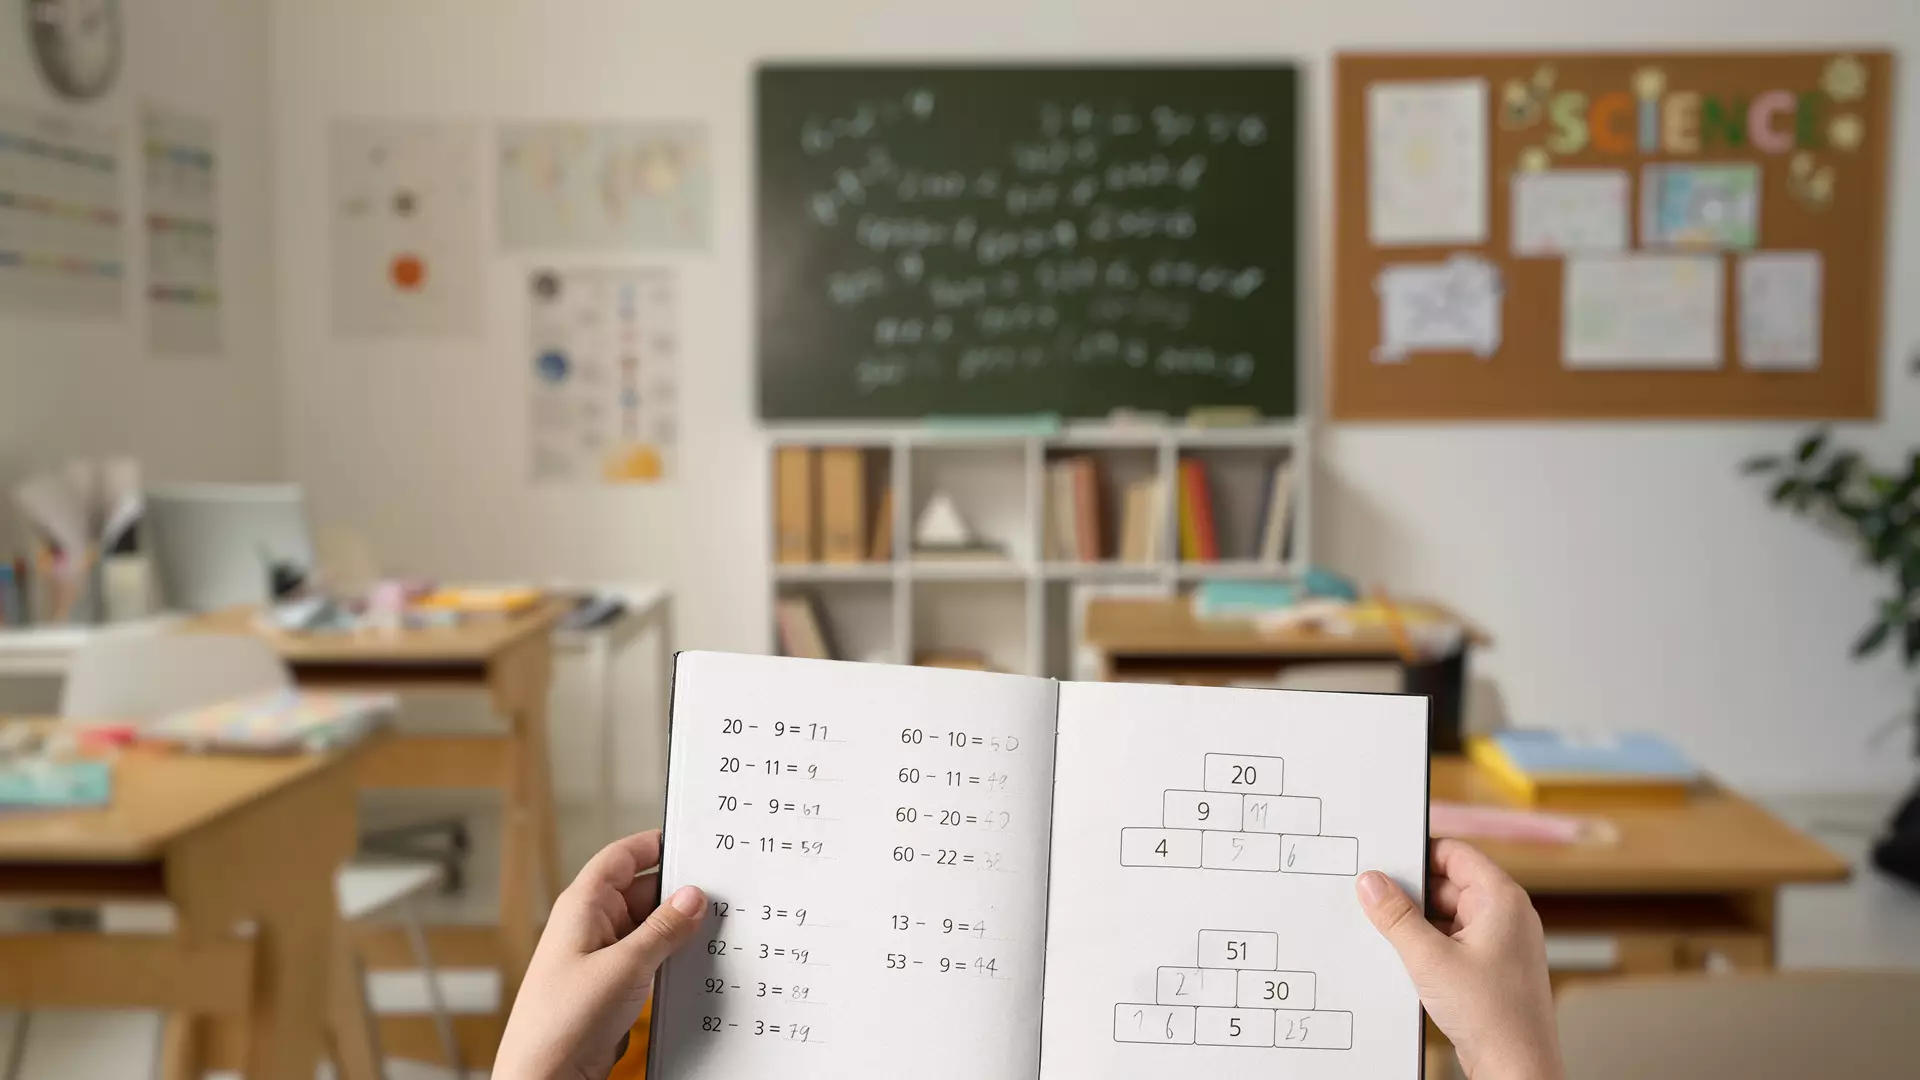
481, 601
1572, 790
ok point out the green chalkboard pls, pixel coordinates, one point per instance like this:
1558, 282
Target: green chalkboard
995, 240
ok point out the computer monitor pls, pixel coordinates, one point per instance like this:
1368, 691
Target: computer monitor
215, 545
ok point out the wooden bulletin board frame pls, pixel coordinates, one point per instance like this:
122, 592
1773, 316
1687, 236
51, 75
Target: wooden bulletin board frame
1524, 377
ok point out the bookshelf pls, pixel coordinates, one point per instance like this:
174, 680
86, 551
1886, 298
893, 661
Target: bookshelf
1015, 602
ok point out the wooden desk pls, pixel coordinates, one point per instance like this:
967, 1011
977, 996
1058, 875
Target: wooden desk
1161, 640
510, 661
227, 841
1682, 886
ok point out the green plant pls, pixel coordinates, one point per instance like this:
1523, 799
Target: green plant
1880, 511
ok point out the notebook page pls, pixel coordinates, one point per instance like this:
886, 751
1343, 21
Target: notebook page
887, 918
1202, 920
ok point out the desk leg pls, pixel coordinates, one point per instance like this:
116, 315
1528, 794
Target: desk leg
1444, 682
530, 850
180, 1048
353, 1038
273, 866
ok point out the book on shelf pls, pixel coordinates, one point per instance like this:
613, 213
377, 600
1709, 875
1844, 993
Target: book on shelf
1074, 525
1275, 521
1086, 510
882, 548
1063, 539
1142, 529
803, 628
967, 845
1565, 771
1198, 540
793, 505
843, 505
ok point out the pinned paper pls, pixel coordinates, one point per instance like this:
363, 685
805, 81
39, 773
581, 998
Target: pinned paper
1780, 300
1714, 206
406, 229
1570, 210
603, 375
1454, 306
603, 186
1642, 311
1427, 162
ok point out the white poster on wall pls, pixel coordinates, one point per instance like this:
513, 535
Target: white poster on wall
1780, 299
182, 163
603, 186
62, 242
406, 221
1452, 306
603, 372
1570, 210
1658, 312
1427, 162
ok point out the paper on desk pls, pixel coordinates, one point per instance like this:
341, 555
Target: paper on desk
1642, 311
1780, 296
1427, 162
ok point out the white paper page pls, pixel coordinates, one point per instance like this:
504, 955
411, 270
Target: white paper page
1780, 298
912, 834
1570, 210
1202, 919
1642, 312
1427, 162
1451, 306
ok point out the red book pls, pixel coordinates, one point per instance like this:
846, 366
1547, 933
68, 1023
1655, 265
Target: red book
1193, 476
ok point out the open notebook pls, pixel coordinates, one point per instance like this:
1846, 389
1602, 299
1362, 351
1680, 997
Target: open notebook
933, 873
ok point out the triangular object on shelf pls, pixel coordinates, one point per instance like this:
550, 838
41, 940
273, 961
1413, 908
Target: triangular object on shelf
940, 524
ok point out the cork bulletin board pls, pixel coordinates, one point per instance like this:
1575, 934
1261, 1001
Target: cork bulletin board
1609, 235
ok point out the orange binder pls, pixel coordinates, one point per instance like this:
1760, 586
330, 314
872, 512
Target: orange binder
793, 505
843, 506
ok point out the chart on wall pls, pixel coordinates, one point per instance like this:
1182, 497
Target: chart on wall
62, 245
183, 232
603, 375
1610, 235
406, 222
603, 186
1009, 239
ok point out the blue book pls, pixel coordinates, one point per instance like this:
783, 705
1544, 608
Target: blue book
1242, 599
55, 785
1540, 753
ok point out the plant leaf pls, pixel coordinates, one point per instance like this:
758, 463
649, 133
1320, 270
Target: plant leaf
1870, 641
1786, 489
1912, 641
1763, 464
1811, 445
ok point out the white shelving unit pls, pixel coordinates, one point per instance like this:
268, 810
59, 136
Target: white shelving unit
1018, 611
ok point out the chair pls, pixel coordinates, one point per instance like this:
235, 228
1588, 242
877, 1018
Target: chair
136, 677
1862, 1025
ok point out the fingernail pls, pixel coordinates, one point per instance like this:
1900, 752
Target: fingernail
687, 900
1373, 886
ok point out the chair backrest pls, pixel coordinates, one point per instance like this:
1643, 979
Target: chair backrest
1861, 1025
147, 676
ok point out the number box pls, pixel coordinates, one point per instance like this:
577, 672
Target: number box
1208, 810
1338, 855
1233, 1027
1278, 814
1240, 949
1274, 990
1164, 1024
1324, 1029
1197, 986
1141, 847
1240, 851
1244, 774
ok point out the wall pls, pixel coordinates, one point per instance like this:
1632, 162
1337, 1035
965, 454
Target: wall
82, 388
1631, 577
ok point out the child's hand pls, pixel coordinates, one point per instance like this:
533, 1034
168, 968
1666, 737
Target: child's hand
593, 969
1486, 984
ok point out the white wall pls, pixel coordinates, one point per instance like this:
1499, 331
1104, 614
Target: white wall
1631, 577
82, 388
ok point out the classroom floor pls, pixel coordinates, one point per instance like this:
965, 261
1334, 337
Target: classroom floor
1869, 922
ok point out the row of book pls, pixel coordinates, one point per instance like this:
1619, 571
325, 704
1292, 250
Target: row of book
827, 510
1199, 523
1076, 519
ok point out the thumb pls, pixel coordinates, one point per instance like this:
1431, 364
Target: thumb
1401, 922
669, 927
